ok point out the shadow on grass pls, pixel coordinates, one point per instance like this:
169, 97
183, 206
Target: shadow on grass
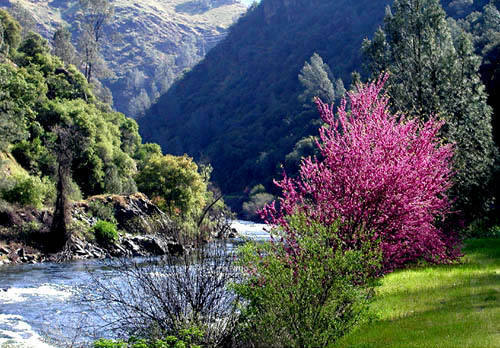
460, 322
439, 306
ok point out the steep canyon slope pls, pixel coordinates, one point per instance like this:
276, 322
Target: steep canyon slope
238, 108
151, 42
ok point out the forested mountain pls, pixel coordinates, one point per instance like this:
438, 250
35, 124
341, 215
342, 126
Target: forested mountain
240, 109
149, 43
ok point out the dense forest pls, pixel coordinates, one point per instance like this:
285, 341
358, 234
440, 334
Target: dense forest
60, 144
245, 109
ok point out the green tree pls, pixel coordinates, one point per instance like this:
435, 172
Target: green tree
175, 184
18, 95
58, 96
314, 76
34, 49
10, 32
431, 74
145, 152
62, 46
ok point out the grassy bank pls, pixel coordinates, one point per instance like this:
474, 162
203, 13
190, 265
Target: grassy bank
442, 306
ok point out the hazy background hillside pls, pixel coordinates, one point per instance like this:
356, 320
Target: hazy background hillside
152, 42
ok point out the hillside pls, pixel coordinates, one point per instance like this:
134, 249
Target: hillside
239, 108
153, 41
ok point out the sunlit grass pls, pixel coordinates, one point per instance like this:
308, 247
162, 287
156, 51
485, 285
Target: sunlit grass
443, 306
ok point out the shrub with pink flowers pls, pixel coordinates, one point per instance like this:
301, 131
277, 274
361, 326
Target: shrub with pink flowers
384, 173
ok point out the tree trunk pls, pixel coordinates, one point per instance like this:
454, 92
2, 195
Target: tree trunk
59, 231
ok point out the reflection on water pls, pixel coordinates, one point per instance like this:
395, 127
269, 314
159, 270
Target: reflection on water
37, 302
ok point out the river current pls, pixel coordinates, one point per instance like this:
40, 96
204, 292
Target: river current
38, 302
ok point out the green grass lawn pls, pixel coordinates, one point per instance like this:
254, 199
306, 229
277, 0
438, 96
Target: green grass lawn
442, 306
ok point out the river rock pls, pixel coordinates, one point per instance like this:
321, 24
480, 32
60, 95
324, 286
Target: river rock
151, 244
4, 251
133, 213
20, 252
132, 247
152, 231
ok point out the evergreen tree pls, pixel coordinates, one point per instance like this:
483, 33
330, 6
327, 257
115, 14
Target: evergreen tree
432, 74
314, 76
485, 28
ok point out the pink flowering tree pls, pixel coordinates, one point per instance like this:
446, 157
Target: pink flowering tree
382, 173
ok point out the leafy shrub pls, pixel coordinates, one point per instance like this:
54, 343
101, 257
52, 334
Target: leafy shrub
384, 172
102, 211
174, 184
186, 339
308, 297
105, 232
482, 228
106, 343
27, 190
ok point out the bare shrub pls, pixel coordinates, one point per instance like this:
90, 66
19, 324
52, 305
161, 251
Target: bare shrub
154, 297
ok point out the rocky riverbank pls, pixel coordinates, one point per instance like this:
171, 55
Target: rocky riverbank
144, 230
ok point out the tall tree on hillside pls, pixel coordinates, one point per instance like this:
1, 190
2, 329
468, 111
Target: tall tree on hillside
94, 16
432, 74
314, 76
69, 141
485, 28
62, 46
10, 33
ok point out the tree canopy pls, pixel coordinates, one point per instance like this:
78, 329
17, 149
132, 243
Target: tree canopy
436, 74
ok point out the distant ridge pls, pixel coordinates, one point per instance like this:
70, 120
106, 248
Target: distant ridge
157, 40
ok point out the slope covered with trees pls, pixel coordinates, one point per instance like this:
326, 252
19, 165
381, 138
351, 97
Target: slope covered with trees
62, 144
239, 107
144, 45
247, 106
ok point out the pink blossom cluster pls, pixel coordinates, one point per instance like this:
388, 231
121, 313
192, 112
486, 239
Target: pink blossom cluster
379, 172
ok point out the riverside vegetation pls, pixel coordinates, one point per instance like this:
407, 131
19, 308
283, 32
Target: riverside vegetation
373, 211
60, 144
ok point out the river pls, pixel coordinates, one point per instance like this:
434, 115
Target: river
37, 301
